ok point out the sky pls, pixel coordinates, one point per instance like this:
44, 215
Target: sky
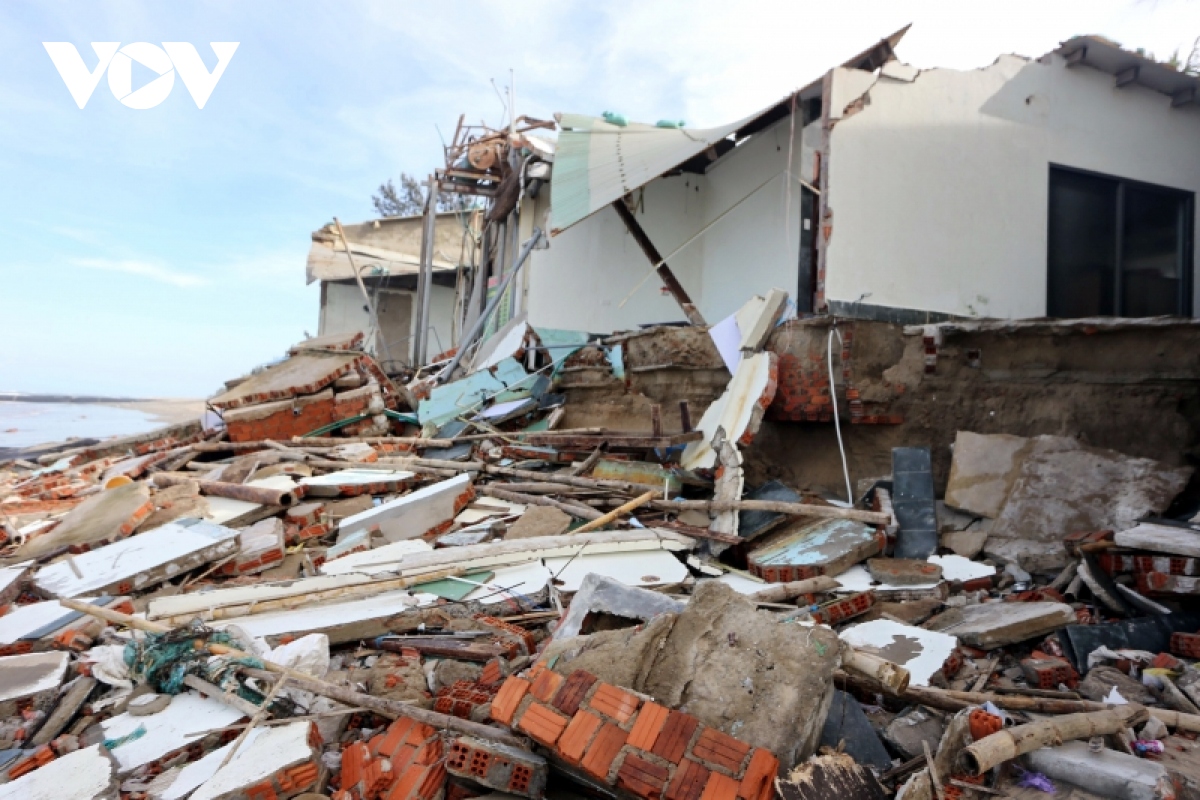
159, 252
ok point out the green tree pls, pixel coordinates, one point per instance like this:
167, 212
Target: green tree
409, 199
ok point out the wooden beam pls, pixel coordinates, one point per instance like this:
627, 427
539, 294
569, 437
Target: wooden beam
1127, 76
664, 272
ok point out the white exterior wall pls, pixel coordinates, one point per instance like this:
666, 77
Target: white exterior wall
342, 312
589, 269
939, 187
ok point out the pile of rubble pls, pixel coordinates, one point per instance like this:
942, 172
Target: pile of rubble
343, 585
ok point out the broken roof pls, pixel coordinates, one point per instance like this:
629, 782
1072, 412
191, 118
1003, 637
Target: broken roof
597, 162
1130, 68
385, 246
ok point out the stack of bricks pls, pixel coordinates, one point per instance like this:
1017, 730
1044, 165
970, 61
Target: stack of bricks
517, 640
405, 762
462, 698
639, 749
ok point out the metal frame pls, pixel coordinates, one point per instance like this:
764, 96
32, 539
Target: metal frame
1188, 267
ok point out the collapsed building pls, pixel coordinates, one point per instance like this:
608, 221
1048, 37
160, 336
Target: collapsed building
888, 491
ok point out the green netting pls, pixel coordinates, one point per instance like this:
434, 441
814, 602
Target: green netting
164, 659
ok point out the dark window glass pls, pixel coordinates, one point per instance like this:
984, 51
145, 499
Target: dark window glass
1083, 238
1117, 247
1151, 252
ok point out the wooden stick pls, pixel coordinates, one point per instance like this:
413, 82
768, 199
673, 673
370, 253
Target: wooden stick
934, 778
600, 522
988, 669
892, 677
780, 592
574, 509
585, 466
1007, 744
334, 441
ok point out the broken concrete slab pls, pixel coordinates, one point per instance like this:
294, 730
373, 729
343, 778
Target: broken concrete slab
1178, 540
651, 568
30, 680
739, 410
86, 774
13, 581
539, 521
307, 372
346, 621
1101, 680
259, 548
1108, 773
757, 318
922, 652
807, 548
992, 625
858, 579
33, 627
166, 731
904, 571
354, 482
427, 511
1064, 487
739, 670
281, 759
105, 517
599, 594
983, 470
140, 561
914, 503
848, 730
352, 555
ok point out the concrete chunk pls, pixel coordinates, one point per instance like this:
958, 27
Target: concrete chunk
739, 410
105, 517
602, 595
427, 511
140, 561
539, 521
30, 679
983, 471
921, 652
87, 774
805, 549
992, 625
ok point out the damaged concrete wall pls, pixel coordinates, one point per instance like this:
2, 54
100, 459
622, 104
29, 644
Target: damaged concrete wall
939, 180
589, 269
1129, 386
343, 311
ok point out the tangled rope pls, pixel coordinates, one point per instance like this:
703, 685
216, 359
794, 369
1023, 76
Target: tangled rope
164, 660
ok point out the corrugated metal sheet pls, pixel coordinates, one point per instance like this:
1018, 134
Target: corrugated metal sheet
597, 162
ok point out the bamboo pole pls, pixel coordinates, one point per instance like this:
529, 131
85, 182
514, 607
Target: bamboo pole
301, 600
600, 522
574, 509
892, 677
781, 592
1007, 744
388, 708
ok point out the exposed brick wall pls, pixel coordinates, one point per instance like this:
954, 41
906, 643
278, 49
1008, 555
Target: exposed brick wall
282, 420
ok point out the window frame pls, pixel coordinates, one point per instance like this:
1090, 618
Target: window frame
1184, 308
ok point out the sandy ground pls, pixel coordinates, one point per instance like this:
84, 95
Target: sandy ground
167, 411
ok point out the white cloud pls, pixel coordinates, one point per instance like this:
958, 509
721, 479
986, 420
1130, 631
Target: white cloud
155, 272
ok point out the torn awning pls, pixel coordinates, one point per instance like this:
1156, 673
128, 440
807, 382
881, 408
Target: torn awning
597, 162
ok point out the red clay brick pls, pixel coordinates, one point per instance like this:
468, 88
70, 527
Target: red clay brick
720, 749
511, 693
543, 723
575, 739
641, 777
354, 761
613, 702
689, 781
720, 787
650, 720
603, 752
573, 691
759, 781
672, 742
546, 685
